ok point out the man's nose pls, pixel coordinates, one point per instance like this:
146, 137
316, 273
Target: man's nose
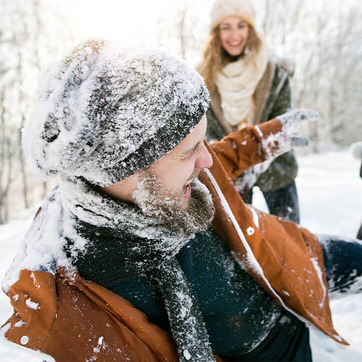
204, 159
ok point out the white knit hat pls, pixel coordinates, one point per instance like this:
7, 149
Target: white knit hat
223, 8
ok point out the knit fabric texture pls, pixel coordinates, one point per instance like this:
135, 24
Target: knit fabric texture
110, 241
106, 112
236, 83
224, 8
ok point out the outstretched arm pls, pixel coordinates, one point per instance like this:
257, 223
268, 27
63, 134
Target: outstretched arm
251, 145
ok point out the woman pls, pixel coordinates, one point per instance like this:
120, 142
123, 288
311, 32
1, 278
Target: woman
247, 86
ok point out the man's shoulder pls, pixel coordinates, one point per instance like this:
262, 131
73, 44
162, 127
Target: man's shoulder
64, 309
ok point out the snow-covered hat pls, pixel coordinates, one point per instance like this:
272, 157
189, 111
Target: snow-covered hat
106, 112
223, 8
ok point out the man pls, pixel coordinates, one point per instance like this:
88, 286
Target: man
121, 262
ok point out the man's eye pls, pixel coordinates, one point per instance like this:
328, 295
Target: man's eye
198, 148
195, 150
190, 155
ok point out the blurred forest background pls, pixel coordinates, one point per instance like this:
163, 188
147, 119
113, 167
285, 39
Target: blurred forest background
323, 39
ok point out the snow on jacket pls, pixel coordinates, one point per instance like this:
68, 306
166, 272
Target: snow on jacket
272, 97
72, 319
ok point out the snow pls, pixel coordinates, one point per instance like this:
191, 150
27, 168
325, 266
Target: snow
32, 305
187, 355
150, 88
293, 120
356, 150
320, 276
330, 193
40, 250
330, 196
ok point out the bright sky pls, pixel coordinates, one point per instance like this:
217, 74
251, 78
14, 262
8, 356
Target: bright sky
154, 22
130, 22
136, 22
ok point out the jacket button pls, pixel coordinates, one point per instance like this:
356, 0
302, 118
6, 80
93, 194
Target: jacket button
24, 340
250, 230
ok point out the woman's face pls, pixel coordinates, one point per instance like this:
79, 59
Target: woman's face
234, 33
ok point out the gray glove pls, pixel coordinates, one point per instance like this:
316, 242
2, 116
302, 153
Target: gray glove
278, 144
293, 120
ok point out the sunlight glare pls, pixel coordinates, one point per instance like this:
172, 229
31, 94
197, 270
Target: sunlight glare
127, 22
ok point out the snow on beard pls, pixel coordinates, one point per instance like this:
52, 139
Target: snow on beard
166, 207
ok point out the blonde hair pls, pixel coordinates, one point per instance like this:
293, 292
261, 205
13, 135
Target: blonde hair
215, 57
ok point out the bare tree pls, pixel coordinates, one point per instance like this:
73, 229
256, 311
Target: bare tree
25, 40
323, 41
183, 33
6, 156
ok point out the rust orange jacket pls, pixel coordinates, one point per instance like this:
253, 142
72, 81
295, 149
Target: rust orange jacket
77, 320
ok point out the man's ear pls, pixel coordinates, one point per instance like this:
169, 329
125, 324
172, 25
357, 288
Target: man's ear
124, 189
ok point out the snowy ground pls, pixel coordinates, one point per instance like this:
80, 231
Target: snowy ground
330, 193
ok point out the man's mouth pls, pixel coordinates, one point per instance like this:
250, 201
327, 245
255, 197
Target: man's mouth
187, 188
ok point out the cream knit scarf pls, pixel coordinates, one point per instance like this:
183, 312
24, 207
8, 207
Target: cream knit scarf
236, 83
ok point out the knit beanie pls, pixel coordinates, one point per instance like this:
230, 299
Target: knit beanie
106, 112
223, 8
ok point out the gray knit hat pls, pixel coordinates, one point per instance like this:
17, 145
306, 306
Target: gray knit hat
106, 112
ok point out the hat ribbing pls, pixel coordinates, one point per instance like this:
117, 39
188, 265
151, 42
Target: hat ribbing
105, 112
224, 8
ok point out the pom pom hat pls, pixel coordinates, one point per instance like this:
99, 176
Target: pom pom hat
105, 112
224, 8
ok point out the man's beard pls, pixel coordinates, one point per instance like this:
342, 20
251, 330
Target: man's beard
166, 208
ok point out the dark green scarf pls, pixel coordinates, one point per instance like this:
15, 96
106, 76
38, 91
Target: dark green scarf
111, 241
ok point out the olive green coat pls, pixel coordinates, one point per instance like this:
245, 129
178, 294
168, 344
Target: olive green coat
272, 98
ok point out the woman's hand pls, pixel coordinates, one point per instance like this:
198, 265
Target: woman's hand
293, 120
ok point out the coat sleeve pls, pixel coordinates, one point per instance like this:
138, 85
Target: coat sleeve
252, 145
